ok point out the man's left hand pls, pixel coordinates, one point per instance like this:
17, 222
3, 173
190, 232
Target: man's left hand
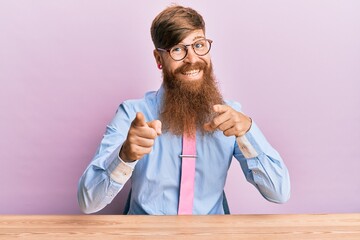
229, 121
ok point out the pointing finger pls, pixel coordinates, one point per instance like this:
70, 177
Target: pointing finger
139, 120
220, 108
218, 120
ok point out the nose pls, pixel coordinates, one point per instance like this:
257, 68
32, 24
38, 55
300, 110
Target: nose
191, 56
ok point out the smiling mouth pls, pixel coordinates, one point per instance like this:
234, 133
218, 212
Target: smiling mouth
191, 73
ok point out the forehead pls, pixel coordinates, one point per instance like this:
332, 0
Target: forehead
193, 36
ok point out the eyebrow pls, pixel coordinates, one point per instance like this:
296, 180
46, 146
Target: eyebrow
195, 38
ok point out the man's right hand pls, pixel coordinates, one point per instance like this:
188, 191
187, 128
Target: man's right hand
140, 138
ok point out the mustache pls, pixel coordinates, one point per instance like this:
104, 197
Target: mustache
190, 66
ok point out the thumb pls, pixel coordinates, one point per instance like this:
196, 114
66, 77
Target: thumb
139, 120
207, 127
155, 124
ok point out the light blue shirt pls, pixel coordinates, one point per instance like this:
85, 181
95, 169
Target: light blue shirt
155, 178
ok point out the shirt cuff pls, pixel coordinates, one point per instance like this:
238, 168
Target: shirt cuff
246, 147
122, 171
247, 143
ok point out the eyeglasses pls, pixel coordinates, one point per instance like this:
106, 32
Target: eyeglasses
180, 51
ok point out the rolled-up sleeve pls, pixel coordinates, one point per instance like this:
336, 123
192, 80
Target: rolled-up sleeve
107, 174
263, 166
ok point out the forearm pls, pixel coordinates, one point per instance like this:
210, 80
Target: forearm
263, 166
102, 181
270, 177
96, 190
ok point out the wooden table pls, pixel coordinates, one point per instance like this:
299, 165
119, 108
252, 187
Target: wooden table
219, 227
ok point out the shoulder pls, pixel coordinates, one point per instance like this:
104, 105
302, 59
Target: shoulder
147, 105
234, 104
148, 98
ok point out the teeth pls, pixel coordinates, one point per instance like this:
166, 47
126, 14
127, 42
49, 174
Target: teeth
192, 72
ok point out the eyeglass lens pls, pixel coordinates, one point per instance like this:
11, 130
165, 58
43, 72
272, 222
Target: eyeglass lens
200, 47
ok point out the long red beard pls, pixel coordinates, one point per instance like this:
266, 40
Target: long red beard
187, 106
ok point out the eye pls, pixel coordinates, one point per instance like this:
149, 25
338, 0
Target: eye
177, 49
199, 44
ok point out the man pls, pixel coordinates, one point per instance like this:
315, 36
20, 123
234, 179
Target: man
145, 140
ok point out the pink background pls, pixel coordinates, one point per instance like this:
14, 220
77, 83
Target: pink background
65, 66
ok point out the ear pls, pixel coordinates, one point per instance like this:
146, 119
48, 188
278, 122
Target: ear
157, 57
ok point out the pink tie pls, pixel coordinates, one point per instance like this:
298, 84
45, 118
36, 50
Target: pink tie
188, 156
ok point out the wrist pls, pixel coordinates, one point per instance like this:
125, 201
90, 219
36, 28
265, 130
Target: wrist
123, 156
250, 120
